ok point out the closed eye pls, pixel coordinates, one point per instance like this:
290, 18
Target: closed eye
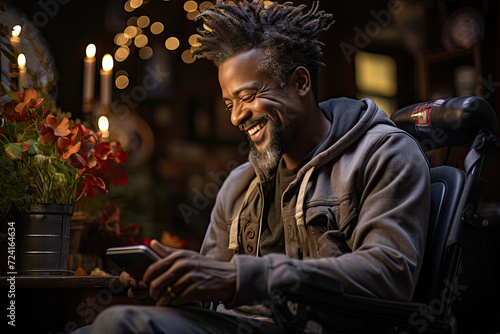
248, 98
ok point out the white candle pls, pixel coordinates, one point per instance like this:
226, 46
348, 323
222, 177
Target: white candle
89, 74
106, 80
21, 61
103, 124
15, 40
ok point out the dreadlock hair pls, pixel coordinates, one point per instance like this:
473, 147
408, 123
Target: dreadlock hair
286, 36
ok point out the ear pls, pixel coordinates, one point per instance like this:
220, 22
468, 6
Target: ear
302, 80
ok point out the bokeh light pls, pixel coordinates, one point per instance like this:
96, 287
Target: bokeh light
143, 21
204, 5
122, 39
130, 31
190, 6
146, 53
135, 3
193, 40
172, 43
157, 28
187, 58
141, 41
127, 7
121, 81
192, 15
132, 21
122, 53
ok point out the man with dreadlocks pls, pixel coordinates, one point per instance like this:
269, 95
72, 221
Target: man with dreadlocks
331, 189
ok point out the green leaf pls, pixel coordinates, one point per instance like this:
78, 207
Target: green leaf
41, 160
13, 151
33, 150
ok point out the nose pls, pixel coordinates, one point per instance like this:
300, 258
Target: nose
239, 114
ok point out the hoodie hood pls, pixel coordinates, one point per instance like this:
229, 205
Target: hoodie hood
350, 119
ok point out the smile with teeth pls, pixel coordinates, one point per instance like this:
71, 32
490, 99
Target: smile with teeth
256, 128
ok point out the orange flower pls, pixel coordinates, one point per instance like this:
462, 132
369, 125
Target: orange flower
28, 99
52, 129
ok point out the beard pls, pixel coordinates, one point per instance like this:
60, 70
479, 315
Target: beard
270, 155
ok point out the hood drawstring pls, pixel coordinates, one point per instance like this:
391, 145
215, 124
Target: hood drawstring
304, 241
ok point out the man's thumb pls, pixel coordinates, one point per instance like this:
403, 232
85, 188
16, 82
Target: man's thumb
161, 250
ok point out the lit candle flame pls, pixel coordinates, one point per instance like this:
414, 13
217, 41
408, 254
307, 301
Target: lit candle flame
103, 123
90, 51
21, 60
107, 62
16, 30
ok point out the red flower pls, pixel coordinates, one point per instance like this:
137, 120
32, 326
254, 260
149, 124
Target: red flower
11, 114
28, 99
84, 157
91, 185
51, 129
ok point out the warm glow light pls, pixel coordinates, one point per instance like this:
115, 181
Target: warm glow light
141, 41
204, 5
90, 50
146, 53
130, 31
206, 27
103, 123
21, 60
107, 62
376, 74
127, 7
192, 15
186, 57
16, 30
172, 43
122, 82
190, 6
135, 3
193, 40
121, 39
132, 21
267, 3
143, 21
157, 28
122, 53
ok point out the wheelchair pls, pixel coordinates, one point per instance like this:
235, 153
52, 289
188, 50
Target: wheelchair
454, 223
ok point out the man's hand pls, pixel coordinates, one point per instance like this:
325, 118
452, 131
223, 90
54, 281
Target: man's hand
137, 289
184, 276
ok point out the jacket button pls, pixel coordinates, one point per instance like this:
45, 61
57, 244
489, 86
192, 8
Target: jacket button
250, 248
251, 234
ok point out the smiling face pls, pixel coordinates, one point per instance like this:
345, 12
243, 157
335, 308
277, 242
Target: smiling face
268, 114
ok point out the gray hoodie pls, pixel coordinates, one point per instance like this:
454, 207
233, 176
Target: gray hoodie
357, 212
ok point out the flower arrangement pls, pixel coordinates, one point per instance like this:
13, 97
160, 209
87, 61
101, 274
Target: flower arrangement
47, 158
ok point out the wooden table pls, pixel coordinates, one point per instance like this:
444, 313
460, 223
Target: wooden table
56, 304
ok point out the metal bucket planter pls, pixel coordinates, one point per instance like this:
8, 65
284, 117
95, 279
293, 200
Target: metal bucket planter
43, 239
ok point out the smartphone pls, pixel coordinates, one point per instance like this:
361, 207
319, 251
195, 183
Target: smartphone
132, 259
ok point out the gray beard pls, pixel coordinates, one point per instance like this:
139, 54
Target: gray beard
270, 156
